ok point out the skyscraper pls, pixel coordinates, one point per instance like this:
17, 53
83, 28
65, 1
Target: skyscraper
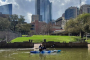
85, 8
37, 7
6, 9
43, 8
71, 12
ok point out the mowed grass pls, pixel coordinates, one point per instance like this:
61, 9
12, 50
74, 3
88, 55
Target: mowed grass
88, 40
39, 38
24, 35
0, 39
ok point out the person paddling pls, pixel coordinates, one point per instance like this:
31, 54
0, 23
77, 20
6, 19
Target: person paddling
40, 48
44, 48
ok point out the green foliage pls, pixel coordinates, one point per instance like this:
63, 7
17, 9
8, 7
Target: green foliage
4, 23
23, 28
79, 24
39, 38
0, 39
21, 19
83, 20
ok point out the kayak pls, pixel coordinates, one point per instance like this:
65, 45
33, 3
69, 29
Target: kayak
50, 51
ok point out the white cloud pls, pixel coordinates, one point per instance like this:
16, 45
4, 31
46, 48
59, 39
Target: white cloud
28, 17
62, 4
29, 0
84, 2
67, 1
3, 3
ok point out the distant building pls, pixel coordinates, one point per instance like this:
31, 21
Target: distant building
63, 23
53, 22
44, 8
37, 26
36, 17
56, 28
63, 15
85, 9
58, 22
6, 9
4, 15
71, 12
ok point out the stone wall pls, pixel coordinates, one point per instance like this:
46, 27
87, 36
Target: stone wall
17, 45
65, 45
9, 35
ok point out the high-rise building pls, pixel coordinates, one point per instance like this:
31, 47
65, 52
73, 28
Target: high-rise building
37, 7
36, 17
44, 8
6, 9
85, 9
71, 12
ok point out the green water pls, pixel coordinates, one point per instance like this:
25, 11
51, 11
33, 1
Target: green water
65, 54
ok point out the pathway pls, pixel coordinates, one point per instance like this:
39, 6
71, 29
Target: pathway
89, 47
36, 46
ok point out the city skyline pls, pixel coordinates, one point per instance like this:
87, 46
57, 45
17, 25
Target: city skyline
44, 8
27, 9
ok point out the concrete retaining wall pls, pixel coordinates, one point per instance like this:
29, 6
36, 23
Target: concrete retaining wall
65, 45
17, 45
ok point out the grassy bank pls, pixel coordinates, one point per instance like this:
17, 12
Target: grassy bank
88, 40
24, 35
39, 38
0, 39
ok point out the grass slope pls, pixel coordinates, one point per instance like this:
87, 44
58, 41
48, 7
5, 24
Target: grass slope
39, 38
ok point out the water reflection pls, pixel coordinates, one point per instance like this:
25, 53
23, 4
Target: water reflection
42, 56
65, 54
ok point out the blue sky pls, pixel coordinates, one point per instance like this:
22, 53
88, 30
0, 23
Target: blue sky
27, 7
3, 0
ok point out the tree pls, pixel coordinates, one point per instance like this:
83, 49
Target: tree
83, 19
21, 19
4, 23
23, 28
14, 21
49, 28
46, 28
79, 24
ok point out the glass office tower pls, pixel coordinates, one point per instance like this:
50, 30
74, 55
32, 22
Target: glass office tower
43, 8
71, 12
6, 9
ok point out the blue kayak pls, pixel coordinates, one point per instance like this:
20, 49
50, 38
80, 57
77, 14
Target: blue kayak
50, 51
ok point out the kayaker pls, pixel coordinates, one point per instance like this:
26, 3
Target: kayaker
44, 48
40, 48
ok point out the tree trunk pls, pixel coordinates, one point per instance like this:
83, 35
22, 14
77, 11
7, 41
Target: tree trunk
82, 34
86, 36
14, 28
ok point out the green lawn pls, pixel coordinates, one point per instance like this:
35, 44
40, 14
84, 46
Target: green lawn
88, 40
39, 38
24, 35
0, 39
